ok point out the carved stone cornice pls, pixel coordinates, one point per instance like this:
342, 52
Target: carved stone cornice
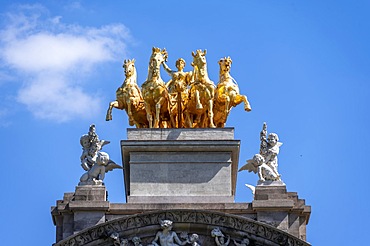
146, 225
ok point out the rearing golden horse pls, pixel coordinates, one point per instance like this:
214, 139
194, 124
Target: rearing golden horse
129, 98
155, 94
227, 94
199, 109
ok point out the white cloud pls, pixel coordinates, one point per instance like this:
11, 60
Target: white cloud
59, 100
53, 54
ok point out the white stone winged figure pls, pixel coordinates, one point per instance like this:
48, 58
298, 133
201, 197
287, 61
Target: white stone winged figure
257, 165
93, 161
96, 174
266, 162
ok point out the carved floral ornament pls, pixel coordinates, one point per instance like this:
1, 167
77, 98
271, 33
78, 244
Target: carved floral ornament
141, 229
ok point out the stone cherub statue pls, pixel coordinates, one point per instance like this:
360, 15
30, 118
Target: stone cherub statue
117, 241
193, 240
167, 237
137, 241
266, 162
220, 237
90, 146
93, 161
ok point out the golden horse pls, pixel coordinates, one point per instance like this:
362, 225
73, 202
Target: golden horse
129, 98
155, 94
227, 94
199, 109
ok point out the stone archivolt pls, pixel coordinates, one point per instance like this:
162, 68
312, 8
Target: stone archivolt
146, 225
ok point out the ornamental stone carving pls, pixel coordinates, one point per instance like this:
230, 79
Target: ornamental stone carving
166, 237
208, 226
266, 162
95, 162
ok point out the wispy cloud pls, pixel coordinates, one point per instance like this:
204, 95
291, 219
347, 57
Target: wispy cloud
49, 56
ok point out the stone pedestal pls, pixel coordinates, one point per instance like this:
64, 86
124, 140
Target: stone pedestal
180, 165
80, 210
277, 207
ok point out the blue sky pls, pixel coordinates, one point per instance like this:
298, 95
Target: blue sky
304, 66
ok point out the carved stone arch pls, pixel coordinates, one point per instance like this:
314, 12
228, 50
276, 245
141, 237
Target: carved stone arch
146, 225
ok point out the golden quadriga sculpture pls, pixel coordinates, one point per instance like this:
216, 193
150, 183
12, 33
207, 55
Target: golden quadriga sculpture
188, 100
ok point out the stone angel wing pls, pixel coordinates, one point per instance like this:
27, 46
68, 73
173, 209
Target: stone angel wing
250, 166
112, 165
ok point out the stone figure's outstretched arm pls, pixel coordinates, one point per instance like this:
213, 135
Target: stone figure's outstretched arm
177, 239
156, 239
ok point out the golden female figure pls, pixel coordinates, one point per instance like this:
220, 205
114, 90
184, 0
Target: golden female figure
178, 89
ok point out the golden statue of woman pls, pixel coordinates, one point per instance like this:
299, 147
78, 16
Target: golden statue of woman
178, 88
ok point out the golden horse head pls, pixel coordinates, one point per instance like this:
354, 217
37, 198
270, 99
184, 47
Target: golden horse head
129, 67
225, 64
156, 59
199, 58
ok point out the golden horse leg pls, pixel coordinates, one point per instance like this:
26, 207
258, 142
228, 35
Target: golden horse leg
173, 116
148, 114
158, 107
129, 113
197, 99
112, 104
242, 98
227, 105
210, 114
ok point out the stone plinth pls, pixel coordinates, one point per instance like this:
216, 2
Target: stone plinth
277, 207
77, 211
180, 165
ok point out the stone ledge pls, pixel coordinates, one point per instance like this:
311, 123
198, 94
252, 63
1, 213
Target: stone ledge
89, 205
270, 183
181, 134
179, 199
272, 204
115, 207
